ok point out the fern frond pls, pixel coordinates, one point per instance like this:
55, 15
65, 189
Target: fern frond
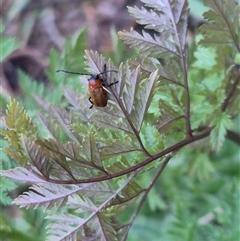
47, 163
200, 166
65, 161
171, 72
95, 62
151, 19
131, 191
22, 174
146, 45
50, 127
225, 214
221, 124
117, 148
183, 227
131, 89
18, 119
172, 40
111, 121
64, 227
17, 123
222, 27
151, 138
79, 104
63, 119
142, 102
173, 10
46, 195
90, 150
67, 227
104, 227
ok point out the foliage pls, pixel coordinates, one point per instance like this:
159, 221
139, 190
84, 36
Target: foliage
89, 165
7, 46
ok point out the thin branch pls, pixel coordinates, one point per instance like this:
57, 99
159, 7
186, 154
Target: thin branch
147, 190
233, 136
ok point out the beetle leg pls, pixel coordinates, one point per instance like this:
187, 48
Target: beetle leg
90, 102
105, 67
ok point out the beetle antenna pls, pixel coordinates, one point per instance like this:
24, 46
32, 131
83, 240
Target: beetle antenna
78, 73
70, 72
112, 70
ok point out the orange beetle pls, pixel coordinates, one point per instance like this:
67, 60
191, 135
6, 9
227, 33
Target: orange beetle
96, 87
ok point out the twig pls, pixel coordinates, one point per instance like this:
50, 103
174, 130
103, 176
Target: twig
233, 136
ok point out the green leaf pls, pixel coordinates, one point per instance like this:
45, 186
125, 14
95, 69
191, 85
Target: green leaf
151, 138
220, 126
18, 119
183, 227
205, 57
200, 166
225, 214
18, 123
7, 185
74, 51
8, 45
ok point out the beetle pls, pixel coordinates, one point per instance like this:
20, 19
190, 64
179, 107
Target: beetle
97, 87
